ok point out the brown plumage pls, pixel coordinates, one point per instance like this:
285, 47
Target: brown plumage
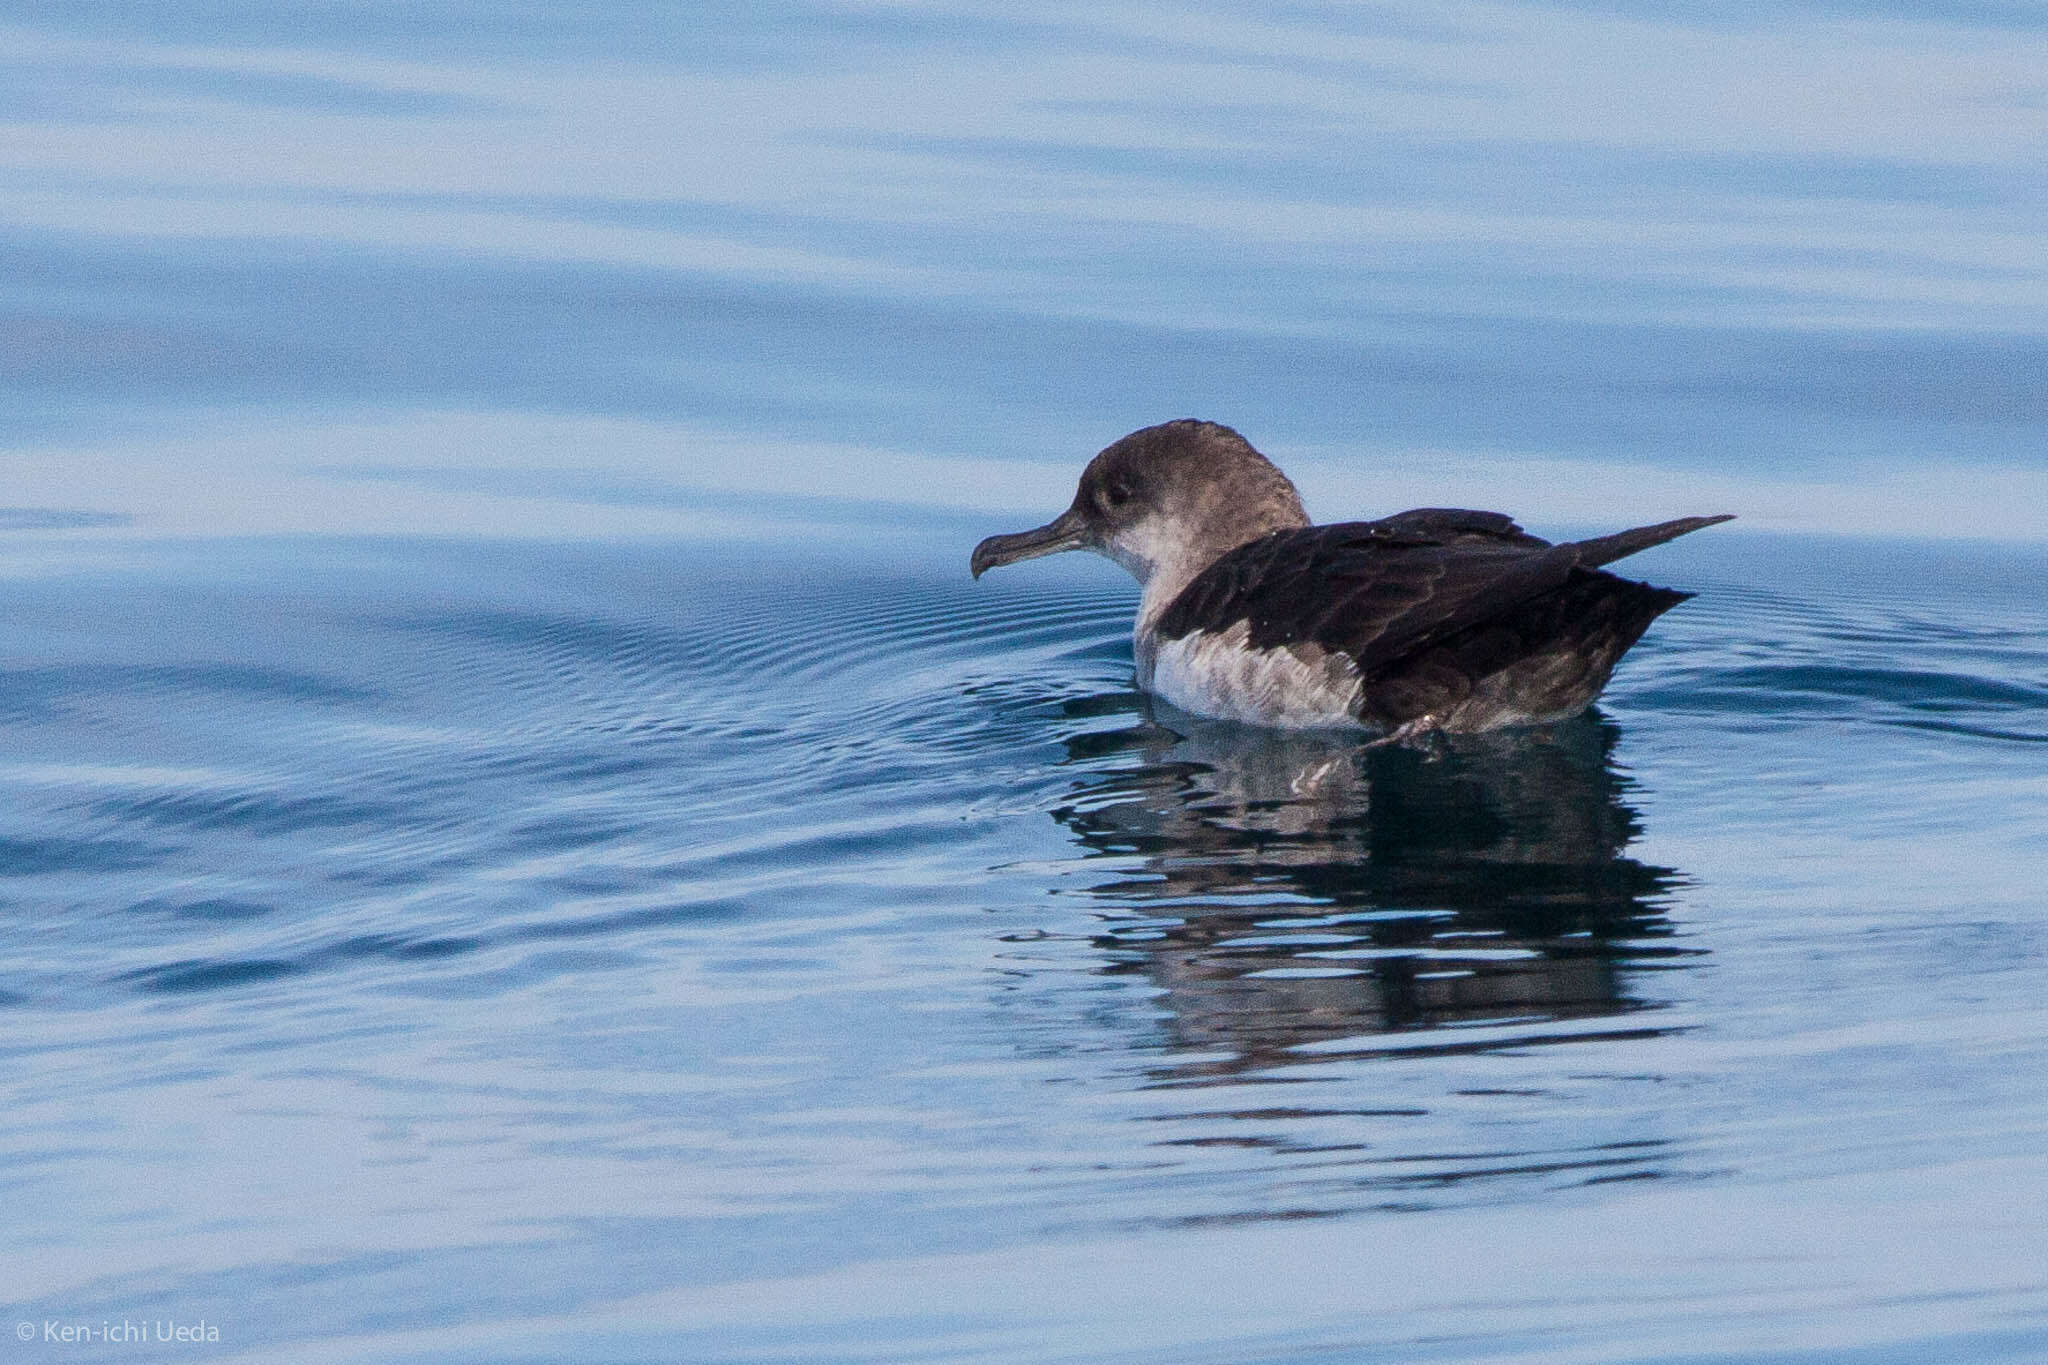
1433, 618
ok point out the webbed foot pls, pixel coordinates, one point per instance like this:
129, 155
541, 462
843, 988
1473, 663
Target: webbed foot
1412, 733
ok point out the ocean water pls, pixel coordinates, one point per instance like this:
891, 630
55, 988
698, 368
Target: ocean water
519, 838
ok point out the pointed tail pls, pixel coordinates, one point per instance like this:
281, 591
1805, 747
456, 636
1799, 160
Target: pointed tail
1607, 549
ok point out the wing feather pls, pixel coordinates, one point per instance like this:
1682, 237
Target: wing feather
1380, 591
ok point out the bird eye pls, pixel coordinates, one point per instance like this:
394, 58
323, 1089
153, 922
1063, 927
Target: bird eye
1115, 493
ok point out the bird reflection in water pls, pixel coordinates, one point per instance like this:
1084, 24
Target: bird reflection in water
1288, 888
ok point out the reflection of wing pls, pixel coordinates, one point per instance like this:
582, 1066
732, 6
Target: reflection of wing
1323, 890
1471, 589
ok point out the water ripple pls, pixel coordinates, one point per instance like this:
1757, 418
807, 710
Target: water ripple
818, 835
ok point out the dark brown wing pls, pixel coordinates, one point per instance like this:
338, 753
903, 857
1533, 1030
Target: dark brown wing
1311, 583
1450, 523
1379, 591
1545, 656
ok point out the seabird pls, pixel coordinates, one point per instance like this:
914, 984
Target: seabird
1432, 619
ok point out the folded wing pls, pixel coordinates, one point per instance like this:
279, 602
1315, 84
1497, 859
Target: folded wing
1387, 593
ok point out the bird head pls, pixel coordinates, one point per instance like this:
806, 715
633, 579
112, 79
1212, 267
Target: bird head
1166, 500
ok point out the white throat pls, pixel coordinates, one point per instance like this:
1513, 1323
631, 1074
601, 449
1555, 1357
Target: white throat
1164, 557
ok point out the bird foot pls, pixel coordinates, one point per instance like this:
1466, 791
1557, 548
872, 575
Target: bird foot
1414, 734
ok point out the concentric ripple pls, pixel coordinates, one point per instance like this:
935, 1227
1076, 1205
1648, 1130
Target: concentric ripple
800, 893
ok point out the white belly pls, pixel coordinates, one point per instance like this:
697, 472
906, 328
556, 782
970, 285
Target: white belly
1215, 674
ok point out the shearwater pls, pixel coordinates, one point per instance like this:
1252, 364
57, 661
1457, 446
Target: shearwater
1431, 619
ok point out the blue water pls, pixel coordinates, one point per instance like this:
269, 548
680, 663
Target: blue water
520, 840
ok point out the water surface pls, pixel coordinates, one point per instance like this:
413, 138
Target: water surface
519, 838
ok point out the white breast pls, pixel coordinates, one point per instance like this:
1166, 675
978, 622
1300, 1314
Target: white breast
1216, 673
